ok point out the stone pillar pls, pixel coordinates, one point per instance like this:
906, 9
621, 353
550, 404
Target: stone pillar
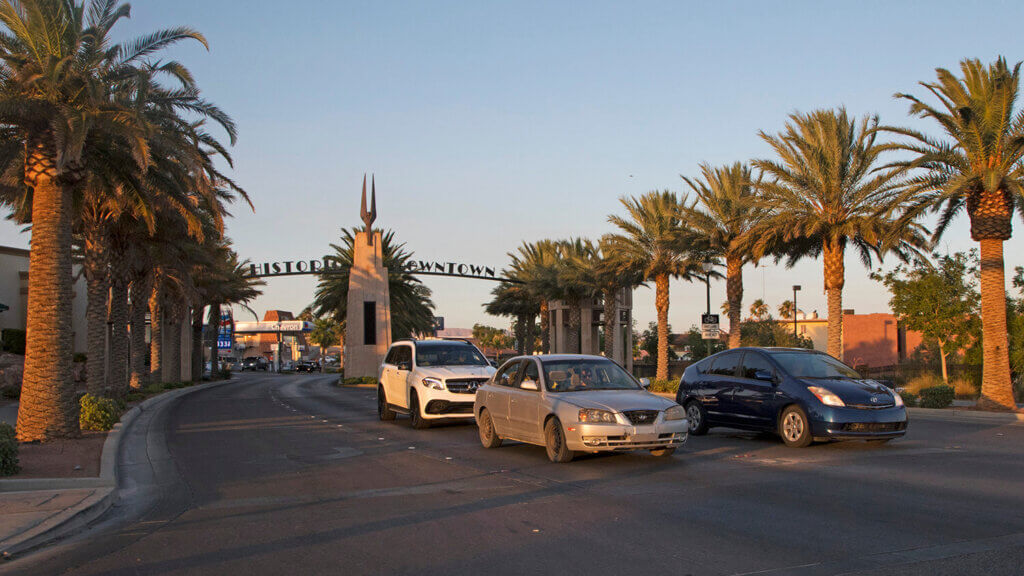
368, 317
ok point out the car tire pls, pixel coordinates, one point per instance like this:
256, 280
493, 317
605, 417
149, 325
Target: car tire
384, 412
488, 435
418, 421
795, 427
663, 452
558, 451
698, 418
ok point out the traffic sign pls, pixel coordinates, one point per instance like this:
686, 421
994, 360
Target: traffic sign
709, 326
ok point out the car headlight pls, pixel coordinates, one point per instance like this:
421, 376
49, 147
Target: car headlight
595, 415
434, 383
675, 413
826, 396
896, 397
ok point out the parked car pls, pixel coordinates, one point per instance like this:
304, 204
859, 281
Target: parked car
802, 395
430, 380
307, 366
574, 403
255, 363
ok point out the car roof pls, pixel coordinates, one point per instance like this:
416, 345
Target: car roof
560, 357
430, 343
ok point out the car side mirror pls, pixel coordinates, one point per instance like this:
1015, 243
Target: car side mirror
764, 375
405, 366
645, 382
529, 385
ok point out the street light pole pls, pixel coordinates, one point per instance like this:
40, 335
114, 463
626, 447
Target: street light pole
796, 288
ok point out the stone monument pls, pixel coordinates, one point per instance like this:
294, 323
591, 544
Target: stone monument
368, 317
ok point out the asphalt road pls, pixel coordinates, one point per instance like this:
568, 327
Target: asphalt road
292, 475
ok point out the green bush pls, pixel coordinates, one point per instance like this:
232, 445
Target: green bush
99, 413
357, 381
909, 399
937, 397
13, 340
8, 450
664, 386
10, 393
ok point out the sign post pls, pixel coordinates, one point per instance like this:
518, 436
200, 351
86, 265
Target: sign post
709, 326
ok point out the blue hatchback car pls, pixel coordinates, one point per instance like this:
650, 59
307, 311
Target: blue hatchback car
802, 395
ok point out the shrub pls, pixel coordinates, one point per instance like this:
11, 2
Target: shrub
79, 357
358, 381
10, 393
918, 383
937, 397
13, 340
224, 374
965, 388
664, 386
8, 450
909, 399
99, 413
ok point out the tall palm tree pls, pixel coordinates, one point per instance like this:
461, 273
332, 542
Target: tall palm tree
824, 192
412, 311
608, 277
226, 282
654, 242
758, 309
977, 168
723, 216
518, 302
55, 64
536, 266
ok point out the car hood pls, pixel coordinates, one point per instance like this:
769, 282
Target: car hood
616, 400
855, 391
456, 371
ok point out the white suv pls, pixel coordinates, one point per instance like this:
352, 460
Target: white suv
430, 380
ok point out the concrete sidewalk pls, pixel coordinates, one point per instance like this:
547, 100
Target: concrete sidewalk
37, 511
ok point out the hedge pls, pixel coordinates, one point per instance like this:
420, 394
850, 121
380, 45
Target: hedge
937, 397
8, 450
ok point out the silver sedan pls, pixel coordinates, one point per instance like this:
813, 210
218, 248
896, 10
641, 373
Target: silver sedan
576, 403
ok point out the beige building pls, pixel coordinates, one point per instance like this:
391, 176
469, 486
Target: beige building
592, 322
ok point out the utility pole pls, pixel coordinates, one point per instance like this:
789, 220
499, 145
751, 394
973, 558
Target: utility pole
796, 288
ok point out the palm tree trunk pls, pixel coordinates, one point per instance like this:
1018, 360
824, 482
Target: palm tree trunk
117, 379
575, 322
214, 348
996, 387
520, 332
97, 289
661, 303
156, 341
545, 327
173, 325
140, 291
48, 409
734, 293
835, 277
197, 344
611, 313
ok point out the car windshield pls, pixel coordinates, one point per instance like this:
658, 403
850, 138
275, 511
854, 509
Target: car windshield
449, 355
809, 365
586, 374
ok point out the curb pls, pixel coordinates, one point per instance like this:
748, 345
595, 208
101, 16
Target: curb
95, 505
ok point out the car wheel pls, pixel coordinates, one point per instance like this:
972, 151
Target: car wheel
418, 421
663, 452
794, 427
384, 412
697, 417
488, 436
558, 451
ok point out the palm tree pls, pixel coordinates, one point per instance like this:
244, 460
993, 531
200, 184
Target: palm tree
412, 311
577, 261
980, 169
608, 278
824, 191
723, 217
654, 243
758, 310
226, 282
326, 333
55, 64
786, 309
518, 302
536, 266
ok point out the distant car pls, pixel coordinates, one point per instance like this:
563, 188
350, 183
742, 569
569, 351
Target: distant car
307, 366
572, 403
802, 395
430, 380
255, 363
288, 366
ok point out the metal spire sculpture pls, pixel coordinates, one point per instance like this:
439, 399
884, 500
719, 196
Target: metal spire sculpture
370, 215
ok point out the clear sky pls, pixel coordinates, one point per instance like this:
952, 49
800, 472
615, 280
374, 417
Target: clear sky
491, 123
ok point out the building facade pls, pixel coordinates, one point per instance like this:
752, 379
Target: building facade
592, 327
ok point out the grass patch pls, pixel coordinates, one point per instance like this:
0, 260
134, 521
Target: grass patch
357, 381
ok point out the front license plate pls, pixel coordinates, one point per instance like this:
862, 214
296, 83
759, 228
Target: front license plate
643, 437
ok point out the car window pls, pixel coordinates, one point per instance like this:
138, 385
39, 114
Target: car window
575, 375
390, 358
530, 372
403, 355
753, 363
507, 375
811, 365
725, 365
449, 354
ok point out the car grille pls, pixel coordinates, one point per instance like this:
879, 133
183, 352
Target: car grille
641, 417
464, 385
874, 426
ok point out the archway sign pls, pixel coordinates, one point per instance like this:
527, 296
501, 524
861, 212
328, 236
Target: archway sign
368, 320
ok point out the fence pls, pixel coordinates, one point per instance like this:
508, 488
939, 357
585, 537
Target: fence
901, 374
